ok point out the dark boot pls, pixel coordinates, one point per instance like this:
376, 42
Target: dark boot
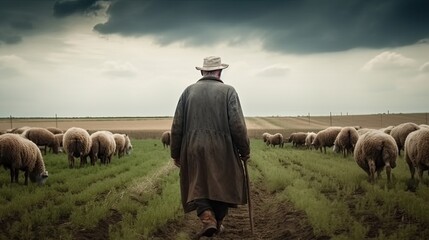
209, 224
220, 227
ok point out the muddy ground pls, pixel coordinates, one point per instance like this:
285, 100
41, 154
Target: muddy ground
272, 220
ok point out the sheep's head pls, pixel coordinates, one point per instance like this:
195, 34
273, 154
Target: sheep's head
39, 178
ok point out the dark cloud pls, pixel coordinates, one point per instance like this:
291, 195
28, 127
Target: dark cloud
66, 8
305, 26
21, 18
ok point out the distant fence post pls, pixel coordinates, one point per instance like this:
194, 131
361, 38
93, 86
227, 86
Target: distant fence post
426, 118
381, 120
56, 120
330, 118
309, 121
11, 124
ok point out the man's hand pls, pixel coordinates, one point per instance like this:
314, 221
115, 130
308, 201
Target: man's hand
177, 162
245, 158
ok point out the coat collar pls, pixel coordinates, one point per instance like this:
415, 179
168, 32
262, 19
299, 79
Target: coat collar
210, 78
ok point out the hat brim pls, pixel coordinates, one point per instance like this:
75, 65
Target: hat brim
222, 66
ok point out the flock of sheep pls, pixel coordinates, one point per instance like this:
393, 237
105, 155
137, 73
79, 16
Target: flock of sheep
373, 149
20, 149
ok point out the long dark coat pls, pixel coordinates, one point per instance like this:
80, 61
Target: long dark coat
209, 134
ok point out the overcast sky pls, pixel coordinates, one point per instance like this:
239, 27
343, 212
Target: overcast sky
84, 58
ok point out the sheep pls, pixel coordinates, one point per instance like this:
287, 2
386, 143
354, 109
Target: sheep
165, 138
42, 137
325, 138
59, 137
54, 130
375, 150
297, 139
103, 147
276, 139
128, 145
424, 126
309, 139
346, 140
18, 153
417, 151
77, 144
120, 144
400, 133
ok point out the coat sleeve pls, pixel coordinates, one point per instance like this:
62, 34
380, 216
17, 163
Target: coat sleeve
237, 124
177, 128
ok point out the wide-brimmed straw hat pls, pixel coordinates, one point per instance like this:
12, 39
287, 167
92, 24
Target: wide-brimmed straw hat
212, 63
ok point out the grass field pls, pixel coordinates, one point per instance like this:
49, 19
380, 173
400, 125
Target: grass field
298, 193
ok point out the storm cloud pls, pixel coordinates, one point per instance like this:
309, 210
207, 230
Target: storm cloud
307, 26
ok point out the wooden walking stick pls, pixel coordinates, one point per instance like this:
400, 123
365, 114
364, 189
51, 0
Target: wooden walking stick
249, 202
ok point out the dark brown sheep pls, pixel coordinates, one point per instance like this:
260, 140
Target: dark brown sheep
42, 137
165, 138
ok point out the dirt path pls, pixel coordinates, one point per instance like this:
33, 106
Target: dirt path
272, 219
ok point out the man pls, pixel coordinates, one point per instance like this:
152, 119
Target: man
208, 139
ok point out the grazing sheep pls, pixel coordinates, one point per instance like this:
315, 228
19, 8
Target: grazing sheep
297, 139
54, 130
276, 139
400, 133
42, 137
417, 151
59, 139
309, 139
128, 145
424, 126
346, 141
18, 153
103, 147
375, 150
165, 138
77, 144
120, 144
326, 138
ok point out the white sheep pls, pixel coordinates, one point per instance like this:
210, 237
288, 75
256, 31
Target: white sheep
120, 144
18, 153
103, 147
417, 151
345, 141
59, 137
77, 144
128, 145
276, 139
165, 138
326, 138
400, 133
42, 137
309, 139
297, 139
375, 150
